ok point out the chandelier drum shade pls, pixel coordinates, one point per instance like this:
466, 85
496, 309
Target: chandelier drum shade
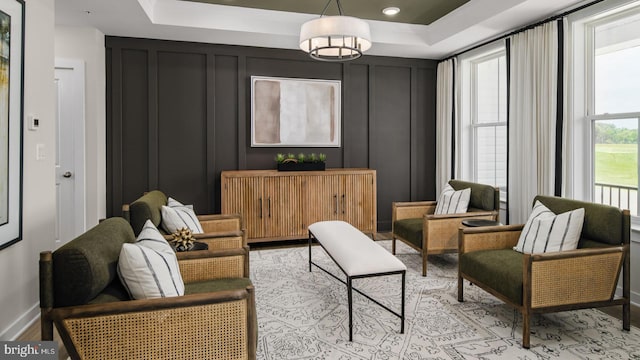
335, 38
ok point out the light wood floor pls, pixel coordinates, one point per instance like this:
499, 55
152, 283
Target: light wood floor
33, 334
616, 311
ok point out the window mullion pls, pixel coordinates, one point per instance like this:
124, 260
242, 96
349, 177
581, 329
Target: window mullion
492, 124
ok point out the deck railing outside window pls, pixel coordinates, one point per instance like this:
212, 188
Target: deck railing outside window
615, 160
624, 197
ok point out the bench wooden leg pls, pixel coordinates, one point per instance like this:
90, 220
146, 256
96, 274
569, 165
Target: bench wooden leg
309, 252
393, 245
350, 297
402, 310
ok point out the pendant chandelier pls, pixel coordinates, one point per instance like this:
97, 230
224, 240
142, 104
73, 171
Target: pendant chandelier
335, 38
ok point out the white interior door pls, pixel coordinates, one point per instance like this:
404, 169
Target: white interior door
70, 178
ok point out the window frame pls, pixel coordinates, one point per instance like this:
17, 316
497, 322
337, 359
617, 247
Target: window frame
469, 119
580, 115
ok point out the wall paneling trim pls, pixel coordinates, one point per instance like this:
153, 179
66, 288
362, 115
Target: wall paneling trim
179, 113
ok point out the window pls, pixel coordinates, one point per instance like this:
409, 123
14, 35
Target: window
615, 164
613, 108
484, 119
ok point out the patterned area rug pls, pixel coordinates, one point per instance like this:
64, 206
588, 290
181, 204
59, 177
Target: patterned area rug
303, 315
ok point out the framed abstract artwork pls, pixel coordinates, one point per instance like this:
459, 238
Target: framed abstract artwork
289, 112
11, 105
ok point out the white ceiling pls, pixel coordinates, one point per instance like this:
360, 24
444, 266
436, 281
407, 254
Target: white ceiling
470, 24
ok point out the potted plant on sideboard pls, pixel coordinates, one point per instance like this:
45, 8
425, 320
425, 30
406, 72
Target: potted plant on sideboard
301, 162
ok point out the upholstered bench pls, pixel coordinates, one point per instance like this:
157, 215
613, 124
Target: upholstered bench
358, 257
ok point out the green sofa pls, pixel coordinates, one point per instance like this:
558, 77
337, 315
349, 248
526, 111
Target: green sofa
221, 231
81, 293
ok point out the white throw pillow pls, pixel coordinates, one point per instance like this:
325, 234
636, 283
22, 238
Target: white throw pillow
176, 216
453, 202
149, 267
548, 232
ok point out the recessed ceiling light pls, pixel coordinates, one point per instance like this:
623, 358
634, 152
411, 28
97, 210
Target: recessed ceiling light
390, 11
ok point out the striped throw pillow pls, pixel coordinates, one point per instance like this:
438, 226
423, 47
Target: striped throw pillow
149, 267
547, 232
176, 216
453, 202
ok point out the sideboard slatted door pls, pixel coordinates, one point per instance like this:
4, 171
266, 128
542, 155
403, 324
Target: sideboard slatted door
322, 198
283, 209
359, 201
243, 195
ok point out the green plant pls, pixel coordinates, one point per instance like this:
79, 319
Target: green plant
290, 158
281, 158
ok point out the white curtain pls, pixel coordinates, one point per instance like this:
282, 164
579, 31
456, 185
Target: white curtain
568, 116
445, 102
532, 117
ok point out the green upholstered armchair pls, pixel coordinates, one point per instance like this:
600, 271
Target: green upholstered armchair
557, 281
415, 224
220, 231
82, 295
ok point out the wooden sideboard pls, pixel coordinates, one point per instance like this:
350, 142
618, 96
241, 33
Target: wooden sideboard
279, 205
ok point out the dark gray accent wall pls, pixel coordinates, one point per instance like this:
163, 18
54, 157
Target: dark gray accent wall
179, 113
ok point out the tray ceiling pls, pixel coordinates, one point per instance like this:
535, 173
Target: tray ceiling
421, 12
452, 24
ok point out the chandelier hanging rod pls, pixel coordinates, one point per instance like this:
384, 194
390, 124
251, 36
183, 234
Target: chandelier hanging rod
327, 6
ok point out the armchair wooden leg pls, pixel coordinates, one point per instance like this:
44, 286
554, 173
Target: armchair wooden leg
46, 326
252, 319
393, 245
460, 288
626, 288
526, 329
424, 263
626, 317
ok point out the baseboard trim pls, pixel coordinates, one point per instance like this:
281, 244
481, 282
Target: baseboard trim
21, 324
635, 296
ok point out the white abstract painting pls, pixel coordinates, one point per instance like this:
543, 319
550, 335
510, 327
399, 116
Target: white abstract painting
295, 112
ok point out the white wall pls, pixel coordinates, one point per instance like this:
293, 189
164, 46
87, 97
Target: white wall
87, 44
19, 275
